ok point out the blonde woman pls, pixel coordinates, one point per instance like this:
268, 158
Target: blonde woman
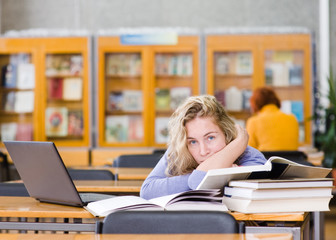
201, 137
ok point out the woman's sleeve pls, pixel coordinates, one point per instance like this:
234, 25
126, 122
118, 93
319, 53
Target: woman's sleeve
251, 156
157, 184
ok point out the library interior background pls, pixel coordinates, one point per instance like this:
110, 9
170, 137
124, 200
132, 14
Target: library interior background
101, 75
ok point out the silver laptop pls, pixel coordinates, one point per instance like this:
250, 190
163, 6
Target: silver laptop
44, 174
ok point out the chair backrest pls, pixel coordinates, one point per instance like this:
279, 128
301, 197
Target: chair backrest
137, 160
159, 151
173, 222
5, 174
295, 156
91, 174
13, 189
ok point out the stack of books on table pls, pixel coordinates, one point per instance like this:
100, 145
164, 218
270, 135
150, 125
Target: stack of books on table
282, 195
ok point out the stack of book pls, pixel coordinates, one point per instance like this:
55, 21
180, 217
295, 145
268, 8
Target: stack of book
280, 185
285, 195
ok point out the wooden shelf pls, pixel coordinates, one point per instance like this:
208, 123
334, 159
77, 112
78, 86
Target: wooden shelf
265, 50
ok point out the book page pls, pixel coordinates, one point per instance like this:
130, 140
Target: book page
72, 89
206, 195
296, 170
106, 206
198, 206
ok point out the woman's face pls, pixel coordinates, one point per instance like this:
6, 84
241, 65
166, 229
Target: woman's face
204, 138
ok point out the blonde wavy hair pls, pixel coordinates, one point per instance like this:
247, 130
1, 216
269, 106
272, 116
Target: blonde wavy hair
180, 161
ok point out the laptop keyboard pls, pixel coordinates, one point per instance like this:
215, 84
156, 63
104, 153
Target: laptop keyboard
92, 197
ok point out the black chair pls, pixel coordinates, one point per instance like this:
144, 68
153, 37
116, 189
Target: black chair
295, 156
137, 160
91, 174
13, 189
159, 151
5, 172
173, 222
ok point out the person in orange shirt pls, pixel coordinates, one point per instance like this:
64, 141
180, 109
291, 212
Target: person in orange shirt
270, 129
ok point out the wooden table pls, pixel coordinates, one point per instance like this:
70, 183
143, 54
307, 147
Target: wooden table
27, 207
296, 223
123, 173
83, 221
269, 236
107, 186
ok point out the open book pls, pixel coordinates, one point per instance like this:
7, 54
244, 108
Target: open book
274, 168
209, 199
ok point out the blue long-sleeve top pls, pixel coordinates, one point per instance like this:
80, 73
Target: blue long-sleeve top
158, 184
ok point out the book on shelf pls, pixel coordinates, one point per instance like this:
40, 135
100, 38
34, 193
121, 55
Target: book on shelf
76, 64
178, 95
246, 94
9, 101
52, 63
295, 75
72, 89
233, 99
25, 76
132, 101
162, 99
280, 74
56, 121
111, 64
274, 168
293, 107
268, 76
244, 63
184, 65
135, 65
24, 102
55, 88
286, 106
115, 101
75, 123
19, 58
116, 128
135, 129
24, 132
220, 96
8, 131
297, 110
161, 64
13, 131
173, 65
9, 76
161, 129
222, 65
58, 64
190, 200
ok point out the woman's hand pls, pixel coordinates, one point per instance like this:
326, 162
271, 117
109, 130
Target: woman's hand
242, 136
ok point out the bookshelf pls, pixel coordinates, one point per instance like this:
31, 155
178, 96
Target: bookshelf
140, 86
65, 96
237, 64
18, 90
44, 90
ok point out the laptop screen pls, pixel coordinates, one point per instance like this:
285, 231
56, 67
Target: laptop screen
43, 172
